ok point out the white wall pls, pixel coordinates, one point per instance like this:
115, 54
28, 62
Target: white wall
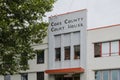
32, 76
59, 27
101, 63
1, 77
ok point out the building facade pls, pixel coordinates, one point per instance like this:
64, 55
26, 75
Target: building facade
71, 52
103, 53
67, 46
37, 66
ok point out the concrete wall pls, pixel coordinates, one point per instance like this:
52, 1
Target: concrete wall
67, 24
101, 63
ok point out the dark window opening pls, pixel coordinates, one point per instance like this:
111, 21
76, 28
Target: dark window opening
67, 77
40, 75
24, 76
77, 52
40, 56
67, 52
57, 54
97, 47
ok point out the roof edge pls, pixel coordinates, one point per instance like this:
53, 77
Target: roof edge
114, 25
68, 13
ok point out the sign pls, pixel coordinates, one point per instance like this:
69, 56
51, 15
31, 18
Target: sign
68, 22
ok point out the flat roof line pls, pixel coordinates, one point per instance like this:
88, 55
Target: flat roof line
104, 27
68, 13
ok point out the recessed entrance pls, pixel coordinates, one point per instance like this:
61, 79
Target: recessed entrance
67, 77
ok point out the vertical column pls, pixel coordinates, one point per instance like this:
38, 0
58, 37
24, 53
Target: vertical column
62, 50
71, 49
83, 56
51, 54
83, 48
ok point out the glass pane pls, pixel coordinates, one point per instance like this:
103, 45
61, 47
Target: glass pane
40, 56
97, 75
57, 54
105, 49
114, 74
67, 53
77, 52
24, 76
119, 75
105, 75
97, 47
115, 48
40, 75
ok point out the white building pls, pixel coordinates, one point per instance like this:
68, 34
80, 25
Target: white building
103, 53
71, 52
67, 46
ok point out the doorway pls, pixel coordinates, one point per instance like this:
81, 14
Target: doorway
63, 77
67, 78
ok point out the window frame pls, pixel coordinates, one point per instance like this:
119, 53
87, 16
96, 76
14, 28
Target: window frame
110, 47
117, 52
40, 55
115, 75
24, 75
107, 52
110, 74
67, 53
40, 75
99, 49
76, 54
58, 54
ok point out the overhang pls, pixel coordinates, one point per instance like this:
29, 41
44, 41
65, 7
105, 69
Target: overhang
66, 70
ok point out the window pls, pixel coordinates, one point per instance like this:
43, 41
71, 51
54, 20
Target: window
107, 49
77, 52
97, 75
114, 74
40, 56
40, 75
97, 49
7, 77
67, 52
57, 54
114, 48
107, 75
24, 76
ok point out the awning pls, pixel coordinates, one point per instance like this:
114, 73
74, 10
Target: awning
66, 70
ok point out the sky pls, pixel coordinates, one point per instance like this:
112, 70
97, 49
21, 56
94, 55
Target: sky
99, 12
